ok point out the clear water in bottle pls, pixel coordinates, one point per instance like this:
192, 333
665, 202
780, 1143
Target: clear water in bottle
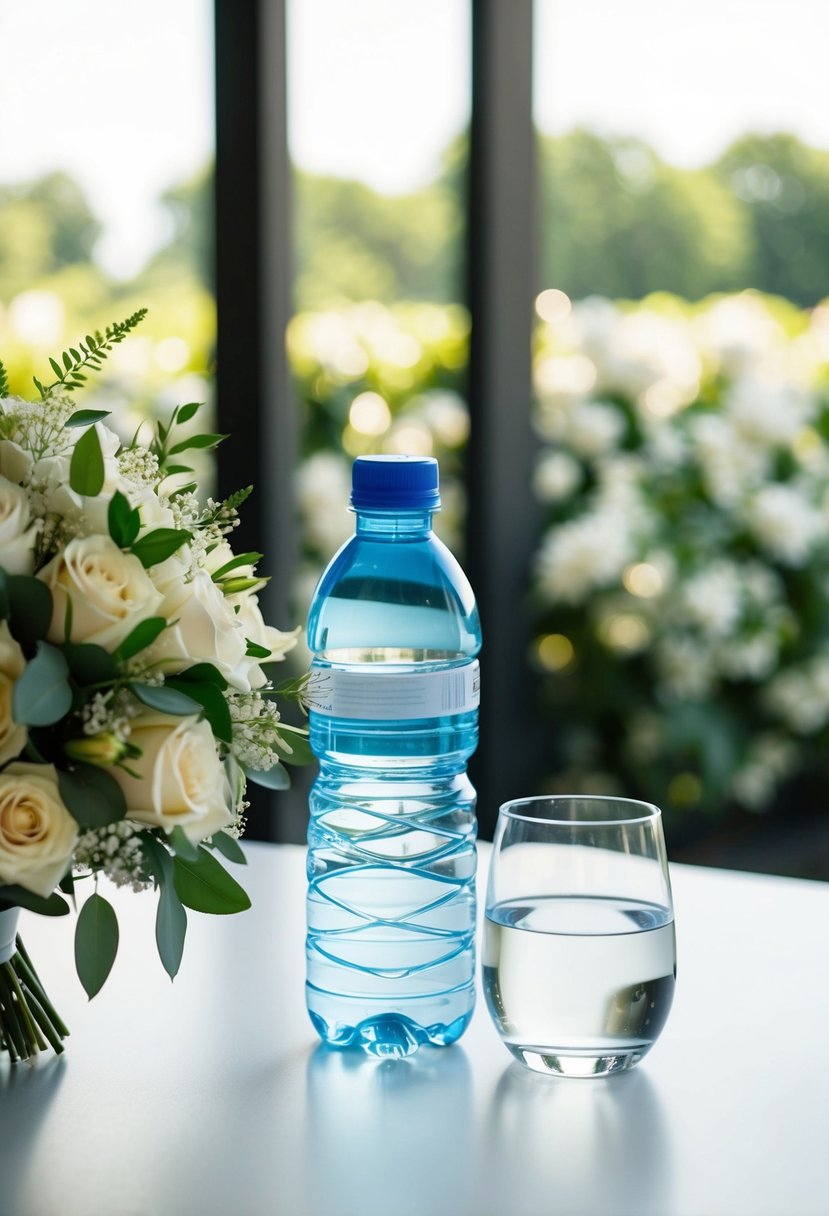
393, 697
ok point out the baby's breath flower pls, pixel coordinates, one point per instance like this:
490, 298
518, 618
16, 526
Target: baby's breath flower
114, 850
138, 465
257, 740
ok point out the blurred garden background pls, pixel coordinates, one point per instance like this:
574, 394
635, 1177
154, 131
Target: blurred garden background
680, 592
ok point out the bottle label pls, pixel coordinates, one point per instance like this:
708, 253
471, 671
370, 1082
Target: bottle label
376, 695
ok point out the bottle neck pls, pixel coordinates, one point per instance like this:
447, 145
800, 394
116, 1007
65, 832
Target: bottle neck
393, 523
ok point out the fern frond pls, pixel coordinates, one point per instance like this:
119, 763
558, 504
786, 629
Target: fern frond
88, 355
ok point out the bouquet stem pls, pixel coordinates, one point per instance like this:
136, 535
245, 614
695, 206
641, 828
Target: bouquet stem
29, 1022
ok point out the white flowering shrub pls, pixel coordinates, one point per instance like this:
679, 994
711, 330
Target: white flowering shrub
375, 379
682, 581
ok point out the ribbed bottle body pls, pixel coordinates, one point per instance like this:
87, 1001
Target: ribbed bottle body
391, 839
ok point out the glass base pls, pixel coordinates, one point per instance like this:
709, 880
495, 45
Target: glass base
562, 1063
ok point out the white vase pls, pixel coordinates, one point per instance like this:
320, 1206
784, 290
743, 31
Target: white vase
8, 932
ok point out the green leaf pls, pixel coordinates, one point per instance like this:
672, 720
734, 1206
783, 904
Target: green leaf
171, 469
244, 559
139, 638
4, 595
30, 608
171, 918
4, 381
201, 672
42, 695
92, 796
297, 740
15, 896
188, 411
96, 943
229, 847
255, 651
182, 845
124, 521
170, 927
86, 468
165, 700
233, 586
86, 417
205, 886
159, 544
89, 664
196, 441
276, 778
212, 703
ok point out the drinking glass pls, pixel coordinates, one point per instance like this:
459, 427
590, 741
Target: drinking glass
579, 952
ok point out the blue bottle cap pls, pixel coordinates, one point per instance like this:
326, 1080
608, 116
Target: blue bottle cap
408, 483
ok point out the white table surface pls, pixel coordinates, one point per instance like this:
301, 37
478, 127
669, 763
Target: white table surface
212, 1096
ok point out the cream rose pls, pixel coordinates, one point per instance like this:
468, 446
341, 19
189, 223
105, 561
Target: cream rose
180, 782
17, 531
203, 629
12, 736
249, 616
37, 833
110, 592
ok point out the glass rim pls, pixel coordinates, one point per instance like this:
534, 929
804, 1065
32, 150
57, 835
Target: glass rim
651, 810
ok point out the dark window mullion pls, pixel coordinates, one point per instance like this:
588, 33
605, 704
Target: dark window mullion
501, 290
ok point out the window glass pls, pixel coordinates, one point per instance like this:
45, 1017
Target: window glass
106, 147
681, 373
379, 99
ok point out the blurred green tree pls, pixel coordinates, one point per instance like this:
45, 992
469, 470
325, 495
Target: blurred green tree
782, 187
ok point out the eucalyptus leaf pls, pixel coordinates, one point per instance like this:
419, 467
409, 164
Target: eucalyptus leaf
42, 694
201, 672
182, 845
89, 664
170, 927
229, 848
92, 796
297, 740
205, 886
171, 917
14, 896
165, 700
96, 943
30, 608
213, 705
276, 778
86, 468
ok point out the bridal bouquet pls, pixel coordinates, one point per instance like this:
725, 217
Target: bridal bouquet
134, 704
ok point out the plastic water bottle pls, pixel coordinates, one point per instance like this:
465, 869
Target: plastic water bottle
393, 697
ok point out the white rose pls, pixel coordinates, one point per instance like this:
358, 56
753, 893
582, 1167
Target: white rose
255, 630
203, 629
110, 592
14, 461
180, 782
37, 833
17, 531
153, 513
12, 663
